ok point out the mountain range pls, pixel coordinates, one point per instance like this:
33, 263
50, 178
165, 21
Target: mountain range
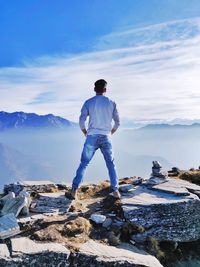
168, 126
22, 120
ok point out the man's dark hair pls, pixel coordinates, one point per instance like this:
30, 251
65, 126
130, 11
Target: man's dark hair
99, 86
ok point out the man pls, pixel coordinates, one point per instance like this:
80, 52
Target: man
101, 110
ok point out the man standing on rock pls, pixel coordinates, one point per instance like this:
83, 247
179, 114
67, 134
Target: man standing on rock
101, 110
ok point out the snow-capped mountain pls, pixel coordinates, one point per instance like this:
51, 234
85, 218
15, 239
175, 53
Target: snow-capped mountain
22, 120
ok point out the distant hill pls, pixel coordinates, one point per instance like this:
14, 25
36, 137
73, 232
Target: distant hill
169, 126
15, 166
22, 120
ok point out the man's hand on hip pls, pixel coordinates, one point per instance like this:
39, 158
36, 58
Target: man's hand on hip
113, 130
84, 131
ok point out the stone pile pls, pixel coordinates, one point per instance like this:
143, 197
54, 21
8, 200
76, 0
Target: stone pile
174, 172
157, 176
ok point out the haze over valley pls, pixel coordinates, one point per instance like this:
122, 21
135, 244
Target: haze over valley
53, 153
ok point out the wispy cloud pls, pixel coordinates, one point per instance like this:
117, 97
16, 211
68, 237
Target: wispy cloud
152, 73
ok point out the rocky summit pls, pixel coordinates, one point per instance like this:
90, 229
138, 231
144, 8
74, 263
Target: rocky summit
40, 225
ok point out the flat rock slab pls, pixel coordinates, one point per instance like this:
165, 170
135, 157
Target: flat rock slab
177, 187
143, 195
26, 252
24, 245
97, 254
8, 226
165, 211
4, 252
50, 203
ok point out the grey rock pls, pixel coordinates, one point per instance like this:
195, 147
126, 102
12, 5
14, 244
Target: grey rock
168, 211
97, 218
111, 214
126, 187
174, 172
31, 186
137, 180
7, 197
175, 169
8, 226
132, 242
50, 203
14, 205
156, 164
107, 223
100, 255
156, 180
118, 223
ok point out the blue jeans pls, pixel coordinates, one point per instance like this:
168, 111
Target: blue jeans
92, 143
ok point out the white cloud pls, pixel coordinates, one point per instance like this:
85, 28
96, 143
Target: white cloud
154, 78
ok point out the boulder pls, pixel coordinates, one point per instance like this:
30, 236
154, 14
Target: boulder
14, 205
9, 196
168, 212
8, 226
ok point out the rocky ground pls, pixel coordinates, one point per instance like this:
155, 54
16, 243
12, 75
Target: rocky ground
147, 227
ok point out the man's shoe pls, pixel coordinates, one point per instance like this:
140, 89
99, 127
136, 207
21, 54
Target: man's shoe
74, 193
116, 194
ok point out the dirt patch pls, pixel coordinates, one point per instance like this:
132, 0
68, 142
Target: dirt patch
76, 206
77, 226
50, 233
191, 176
72, 232
90, 191
101, 189
112, 205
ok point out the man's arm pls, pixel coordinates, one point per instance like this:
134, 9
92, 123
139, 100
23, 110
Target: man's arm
116, 119
83, 117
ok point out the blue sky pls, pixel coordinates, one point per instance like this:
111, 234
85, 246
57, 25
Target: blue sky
52, 52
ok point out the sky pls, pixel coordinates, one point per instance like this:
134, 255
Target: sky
52, 52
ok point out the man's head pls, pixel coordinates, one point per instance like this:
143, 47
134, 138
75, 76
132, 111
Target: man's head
100, 86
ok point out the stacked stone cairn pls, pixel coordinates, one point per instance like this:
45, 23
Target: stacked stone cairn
157, 176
